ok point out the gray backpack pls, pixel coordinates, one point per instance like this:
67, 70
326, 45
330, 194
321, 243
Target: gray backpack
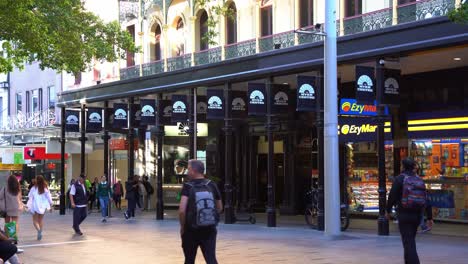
201, 211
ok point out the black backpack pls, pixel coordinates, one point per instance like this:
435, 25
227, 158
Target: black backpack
201, 208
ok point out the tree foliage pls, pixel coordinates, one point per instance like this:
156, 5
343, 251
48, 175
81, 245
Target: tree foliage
460, 15
60, 34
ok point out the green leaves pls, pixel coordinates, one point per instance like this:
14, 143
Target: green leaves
60, 34
460, 15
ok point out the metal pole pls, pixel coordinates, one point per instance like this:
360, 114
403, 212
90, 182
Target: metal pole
228, 131
332, 179
106, 138
160, 136
191, 124
271, 210
195, 129
320, 155
383, 227
62, 161
83, 137
131, 139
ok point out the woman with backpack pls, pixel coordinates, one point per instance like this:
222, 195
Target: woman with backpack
117, 189
39, 202
409, 195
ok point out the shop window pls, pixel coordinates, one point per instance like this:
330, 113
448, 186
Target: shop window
266, 20
353, 8
19, 103
231, 24
306, 10
52, 96
203, 30
131, 55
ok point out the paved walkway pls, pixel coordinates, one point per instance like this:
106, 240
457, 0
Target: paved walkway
145, 240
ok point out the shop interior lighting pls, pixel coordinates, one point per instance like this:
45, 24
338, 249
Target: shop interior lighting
457, 59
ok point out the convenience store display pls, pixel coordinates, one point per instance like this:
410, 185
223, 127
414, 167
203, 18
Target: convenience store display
422, 152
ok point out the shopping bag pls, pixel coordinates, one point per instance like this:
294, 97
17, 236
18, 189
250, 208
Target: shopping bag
10, 229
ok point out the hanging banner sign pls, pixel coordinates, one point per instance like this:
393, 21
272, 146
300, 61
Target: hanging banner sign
72, 121
165, 112
202, 108
148, 111
238, 104
280, 98
215, 104
257, 99
94, 120
307, 93
391, 94
120, 116
357, 129
365, 85
179, 108
352, 107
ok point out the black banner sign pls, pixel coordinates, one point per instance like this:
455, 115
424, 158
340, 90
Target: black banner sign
280, 98
257, 99
365, 85
307, 93
148, 112
94, 120
216, 105
165, 112
238, 104
179, 108
72, 121
202, 108
120, 116
391, 94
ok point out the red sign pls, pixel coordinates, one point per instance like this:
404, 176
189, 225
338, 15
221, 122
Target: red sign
39, 153
121, 144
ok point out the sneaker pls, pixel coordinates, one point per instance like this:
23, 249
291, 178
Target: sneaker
425, 229
104, 220
39, 235
78, 233
19, 251
126, 215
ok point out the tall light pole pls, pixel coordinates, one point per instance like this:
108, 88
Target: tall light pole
331, 147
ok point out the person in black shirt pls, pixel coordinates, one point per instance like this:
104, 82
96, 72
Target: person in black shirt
203, 237
131, 192
408, 219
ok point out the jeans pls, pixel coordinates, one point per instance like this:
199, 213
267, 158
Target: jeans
131, 207
104, 201
203, 238
408, 224
79, 215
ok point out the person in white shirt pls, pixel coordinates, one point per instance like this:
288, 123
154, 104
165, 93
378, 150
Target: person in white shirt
38, 203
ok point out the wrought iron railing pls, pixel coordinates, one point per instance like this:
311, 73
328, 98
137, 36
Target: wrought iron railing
240, 49
38, 119
153, 67
369, 21
277, 41
128, 10
179, 62
424, 9
130, 72
208, 56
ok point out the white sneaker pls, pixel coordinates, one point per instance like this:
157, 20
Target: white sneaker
19, 251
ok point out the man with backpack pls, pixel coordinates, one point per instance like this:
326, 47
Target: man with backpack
409, 195
199, 210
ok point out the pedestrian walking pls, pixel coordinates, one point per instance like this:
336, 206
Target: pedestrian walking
141, 194
198, 223
131, 194
409, 195
104, 193
72, 182
79, 202
118, 194
11, 203
92, 194
149, 191
38, 203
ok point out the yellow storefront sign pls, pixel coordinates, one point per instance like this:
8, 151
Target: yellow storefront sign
11, 166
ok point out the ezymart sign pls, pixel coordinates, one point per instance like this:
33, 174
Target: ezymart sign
351, 107
359, 129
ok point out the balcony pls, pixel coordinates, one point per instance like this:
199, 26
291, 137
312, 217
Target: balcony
29, 121
420, 10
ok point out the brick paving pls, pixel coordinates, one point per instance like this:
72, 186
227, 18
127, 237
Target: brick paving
145, 240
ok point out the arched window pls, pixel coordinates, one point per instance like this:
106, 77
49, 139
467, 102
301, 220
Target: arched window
231, 24
306, 10
157, 43
180, 49
203, 30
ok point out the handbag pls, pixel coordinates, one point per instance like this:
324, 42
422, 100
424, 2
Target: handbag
3, 213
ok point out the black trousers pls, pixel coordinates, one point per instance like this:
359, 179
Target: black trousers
205, 239
131, 207
408, 224
79, 215
7, 250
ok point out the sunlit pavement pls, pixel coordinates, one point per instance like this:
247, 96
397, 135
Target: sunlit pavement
145, 240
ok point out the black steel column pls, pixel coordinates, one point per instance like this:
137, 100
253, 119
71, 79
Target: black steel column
383, 227
159, 183
191, 132
83, 137
106, 138
62, 161
320, 155
131, 139
271, 207
229, 217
